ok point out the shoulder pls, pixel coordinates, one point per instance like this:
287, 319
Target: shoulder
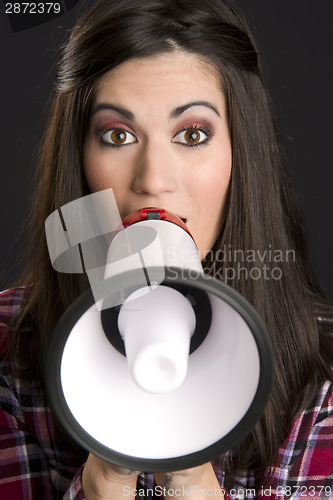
324, 316
307, 453
11, 302
319, 414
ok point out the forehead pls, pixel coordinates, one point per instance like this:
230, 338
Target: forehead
164, 79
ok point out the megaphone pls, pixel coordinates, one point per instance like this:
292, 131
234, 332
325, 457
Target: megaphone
163, 367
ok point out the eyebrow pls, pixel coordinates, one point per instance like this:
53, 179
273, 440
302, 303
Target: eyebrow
174, 114
122, 111
181, 109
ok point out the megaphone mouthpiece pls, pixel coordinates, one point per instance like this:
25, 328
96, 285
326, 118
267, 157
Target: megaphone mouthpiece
152, 237
156, 324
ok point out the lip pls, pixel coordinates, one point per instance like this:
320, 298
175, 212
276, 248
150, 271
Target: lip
183, 219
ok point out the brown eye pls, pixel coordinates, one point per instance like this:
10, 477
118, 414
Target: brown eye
117, 137
193, 136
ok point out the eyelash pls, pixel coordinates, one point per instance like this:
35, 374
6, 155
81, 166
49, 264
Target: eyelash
101, 133
208, 132
201, 128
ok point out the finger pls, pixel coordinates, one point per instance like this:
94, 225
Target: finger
123, 471
180, 478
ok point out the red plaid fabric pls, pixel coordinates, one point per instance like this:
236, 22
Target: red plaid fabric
304, 468
38, 462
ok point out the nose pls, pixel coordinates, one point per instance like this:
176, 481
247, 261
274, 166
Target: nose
156, 171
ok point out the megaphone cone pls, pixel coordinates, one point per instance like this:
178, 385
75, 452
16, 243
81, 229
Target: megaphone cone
168, 368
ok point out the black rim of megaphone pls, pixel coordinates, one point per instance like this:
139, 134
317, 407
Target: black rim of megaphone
134, 279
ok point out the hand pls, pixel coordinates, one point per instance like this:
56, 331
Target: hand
104, 481
196, 483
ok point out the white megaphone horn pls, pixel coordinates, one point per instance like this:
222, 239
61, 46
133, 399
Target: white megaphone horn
163, 367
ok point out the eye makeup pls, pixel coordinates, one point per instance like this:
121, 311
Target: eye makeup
106, 126
102, 128
114, 133
185, 137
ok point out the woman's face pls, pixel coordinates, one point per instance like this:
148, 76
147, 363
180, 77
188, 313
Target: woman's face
158, 136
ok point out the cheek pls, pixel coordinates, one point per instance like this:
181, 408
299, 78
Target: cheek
209, 193
97, 168
91, 166
97, 176
212, 185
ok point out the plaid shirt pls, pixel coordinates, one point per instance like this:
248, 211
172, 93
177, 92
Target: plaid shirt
37, 461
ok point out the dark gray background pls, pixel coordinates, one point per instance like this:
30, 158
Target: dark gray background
295, 40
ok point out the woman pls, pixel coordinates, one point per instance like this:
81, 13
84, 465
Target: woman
165, 102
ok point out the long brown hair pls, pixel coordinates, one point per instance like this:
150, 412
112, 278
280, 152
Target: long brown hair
262, 225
